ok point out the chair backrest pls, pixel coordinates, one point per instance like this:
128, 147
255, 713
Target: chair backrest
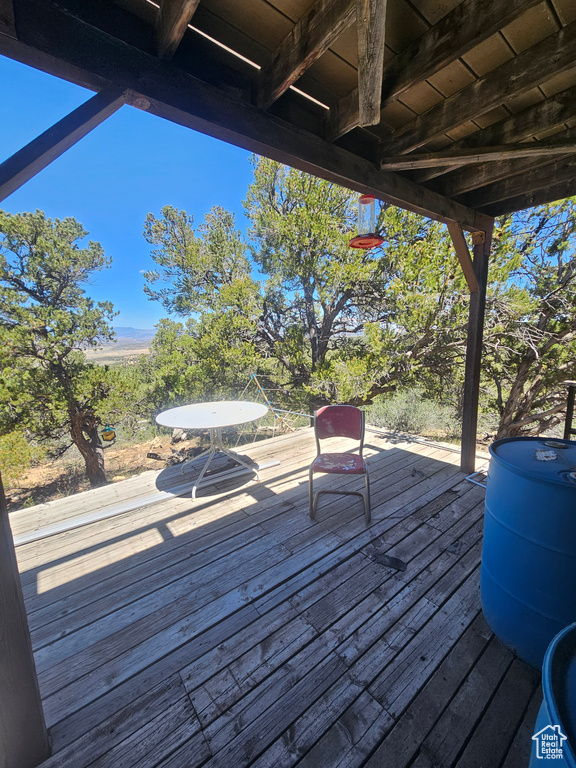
339, 421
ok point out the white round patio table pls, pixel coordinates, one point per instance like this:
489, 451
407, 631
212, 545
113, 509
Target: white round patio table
213, 417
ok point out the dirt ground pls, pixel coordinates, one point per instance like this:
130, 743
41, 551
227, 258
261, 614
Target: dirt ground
53, 480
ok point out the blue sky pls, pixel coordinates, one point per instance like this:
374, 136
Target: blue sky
131, 164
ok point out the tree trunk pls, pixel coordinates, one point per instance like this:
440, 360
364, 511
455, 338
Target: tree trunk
91, 450
517, 405
311, 323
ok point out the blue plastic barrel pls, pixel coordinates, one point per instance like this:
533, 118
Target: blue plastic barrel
555, 727
528, 574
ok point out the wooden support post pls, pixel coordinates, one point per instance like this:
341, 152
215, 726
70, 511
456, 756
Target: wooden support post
568, 431
474, 355
370, 23
40, 152
23, 737
461, 248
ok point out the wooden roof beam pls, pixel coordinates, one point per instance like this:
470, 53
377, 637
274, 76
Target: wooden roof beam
551, 113
172, 21
467, 179
467, 25
474, 156
552, 56
550, 194
370, 22
531, 180
40, 152
171, 93
306, 42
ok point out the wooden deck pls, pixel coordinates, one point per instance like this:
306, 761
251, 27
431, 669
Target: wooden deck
231, 631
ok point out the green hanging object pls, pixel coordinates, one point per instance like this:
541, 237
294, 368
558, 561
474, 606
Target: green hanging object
108, 434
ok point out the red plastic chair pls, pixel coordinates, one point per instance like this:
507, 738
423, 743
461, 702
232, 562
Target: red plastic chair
339, 421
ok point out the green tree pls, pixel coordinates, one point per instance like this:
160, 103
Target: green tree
46, 323
530, 338
302, 323
327, 323
319, 293
203, 275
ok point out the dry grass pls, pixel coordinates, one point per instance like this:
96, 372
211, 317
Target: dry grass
56, 479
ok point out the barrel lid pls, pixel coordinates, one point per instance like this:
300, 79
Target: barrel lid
541, 458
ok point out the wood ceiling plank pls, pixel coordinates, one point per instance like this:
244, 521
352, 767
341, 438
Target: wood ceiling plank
421, 98
566, 10
370, 22
559, 83
304, 44
239, 41
475, 156
173, 20
530, 181
468, 24
94, 55
40, 152
525, 99
531, 27
549, 57
488, 55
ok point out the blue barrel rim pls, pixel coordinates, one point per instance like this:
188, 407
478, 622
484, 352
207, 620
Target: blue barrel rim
547, 671
526, 473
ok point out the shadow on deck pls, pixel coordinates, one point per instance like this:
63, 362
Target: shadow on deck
231, 631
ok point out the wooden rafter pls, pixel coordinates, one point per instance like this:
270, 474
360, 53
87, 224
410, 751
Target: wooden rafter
468, 24
541, 196
40, 152
552, 56
549, 114
178, 96
370, 23
463, 254
172, 21
466, 179
475, 156
531, 180
306, 42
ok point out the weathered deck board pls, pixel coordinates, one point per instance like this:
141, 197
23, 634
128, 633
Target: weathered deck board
233, 631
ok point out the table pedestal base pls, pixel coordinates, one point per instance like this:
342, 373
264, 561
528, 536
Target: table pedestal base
216, 447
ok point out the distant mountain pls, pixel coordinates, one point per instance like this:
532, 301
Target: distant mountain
142, 334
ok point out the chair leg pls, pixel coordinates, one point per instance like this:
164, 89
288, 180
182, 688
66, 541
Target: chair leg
311, 509
367, 500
